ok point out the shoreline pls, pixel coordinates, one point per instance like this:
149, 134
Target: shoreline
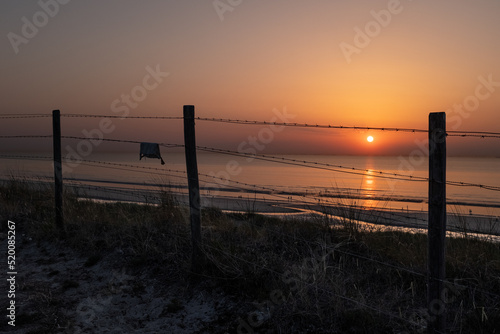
286, 207
405, 220
341, 194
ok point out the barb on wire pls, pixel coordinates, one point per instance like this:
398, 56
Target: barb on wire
481, 134
452, 133
5, 116
307, 125
123, 141
25, 157
474, 135
123, 117
28, 136
475, 185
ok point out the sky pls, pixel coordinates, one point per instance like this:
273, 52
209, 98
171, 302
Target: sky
351, 63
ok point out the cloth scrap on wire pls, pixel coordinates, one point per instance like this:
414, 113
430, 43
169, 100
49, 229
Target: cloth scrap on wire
151, 150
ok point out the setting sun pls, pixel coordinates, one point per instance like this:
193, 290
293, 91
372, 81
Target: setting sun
369, 139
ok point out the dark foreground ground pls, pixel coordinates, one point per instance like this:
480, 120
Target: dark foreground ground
126, 268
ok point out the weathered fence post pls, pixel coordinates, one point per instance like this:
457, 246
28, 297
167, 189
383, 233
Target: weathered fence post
194, 188
58, 180
437, 223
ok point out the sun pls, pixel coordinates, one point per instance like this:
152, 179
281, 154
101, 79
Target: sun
369, 139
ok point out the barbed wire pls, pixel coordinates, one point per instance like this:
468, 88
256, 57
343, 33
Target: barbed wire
482, 134
124, 117
27, 136
341, 169
473, 132
123, 191
475, 185
74, 183
307, 125
451, 133
34, 157
115, 164
121, 141
5, 116
472, 135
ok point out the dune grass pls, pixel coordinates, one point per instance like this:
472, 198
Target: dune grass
290, 275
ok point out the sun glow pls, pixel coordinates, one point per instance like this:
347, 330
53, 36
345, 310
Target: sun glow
369, 139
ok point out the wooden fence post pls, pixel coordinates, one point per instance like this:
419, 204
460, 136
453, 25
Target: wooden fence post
437, 223
58, 180
194, 188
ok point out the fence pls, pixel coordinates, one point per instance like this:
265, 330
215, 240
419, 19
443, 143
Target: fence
437, 181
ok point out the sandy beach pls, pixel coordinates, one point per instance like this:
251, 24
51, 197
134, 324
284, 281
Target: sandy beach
59, 289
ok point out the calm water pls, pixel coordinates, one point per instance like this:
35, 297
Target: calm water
367, 189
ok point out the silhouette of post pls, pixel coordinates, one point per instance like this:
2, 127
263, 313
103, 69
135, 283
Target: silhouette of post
437, 223
194, 188
58, 180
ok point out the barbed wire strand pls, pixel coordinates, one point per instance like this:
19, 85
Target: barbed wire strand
451, 133
27, 157
121, 141
7, 116
482, 134
473, 135
124, 117
27, 136
341, 169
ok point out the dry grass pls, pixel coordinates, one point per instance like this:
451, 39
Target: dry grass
292, 276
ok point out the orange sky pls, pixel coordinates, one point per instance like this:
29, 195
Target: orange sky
411, 58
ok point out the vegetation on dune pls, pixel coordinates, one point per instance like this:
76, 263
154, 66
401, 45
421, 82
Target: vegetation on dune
290, 275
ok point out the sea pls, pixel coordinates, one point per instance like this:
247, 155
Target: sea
383, 182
